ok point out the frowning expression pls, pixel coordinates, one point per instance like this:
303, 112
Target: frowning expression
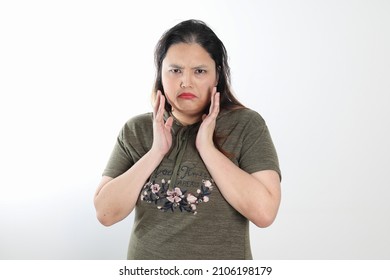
188, 77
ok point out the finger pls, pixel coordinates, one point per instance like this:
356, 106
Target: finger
217, 101
161, 105
168, 123
156, 103
214, 107
213, 91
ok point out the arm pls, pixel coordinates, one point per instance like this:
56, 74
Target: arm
115, 198
258, 196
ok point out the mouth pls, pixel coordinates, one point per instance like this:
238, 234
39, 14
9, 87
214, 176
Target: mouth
187, 95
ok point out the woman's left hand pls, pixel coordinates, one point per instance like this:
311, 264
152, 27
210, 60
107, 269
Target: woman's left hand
204, 138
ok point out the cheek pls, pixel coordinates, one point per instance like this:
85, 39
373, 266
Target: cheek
168, 84
168, 88
211, 81
207, 86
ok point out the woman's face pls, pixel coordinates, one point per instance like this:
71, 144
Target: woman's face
188, 77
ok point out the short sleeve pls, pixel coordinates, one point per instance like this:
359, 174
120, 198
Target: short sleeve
132, 143
120, 159
258, 151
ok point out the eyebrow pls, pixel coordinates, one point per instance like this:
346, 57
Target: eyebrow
182, 67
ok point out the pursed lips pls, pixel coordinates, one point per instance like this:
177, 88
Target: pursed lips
187, 95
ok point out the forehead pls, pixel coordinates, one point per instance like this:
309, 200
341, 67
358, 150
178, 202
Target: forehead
188, 54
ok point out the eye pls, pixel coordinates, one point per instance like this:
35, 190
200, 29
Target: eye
200, 71
175, 71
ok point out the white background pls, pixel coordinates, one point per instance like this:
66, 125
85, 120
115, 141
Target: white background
72, 72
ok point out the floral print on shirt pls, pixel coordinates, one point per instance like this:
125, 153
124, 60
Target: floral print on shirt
176, 198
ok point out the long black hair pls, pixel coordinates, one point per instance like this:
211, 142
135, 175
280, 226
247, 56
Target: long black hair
196, 31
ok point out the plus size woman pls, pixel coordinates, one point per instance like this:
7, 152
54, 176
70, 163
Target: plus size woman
198, 168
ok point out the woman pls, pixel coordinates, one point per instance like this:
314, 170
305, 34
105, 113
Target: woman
200, 167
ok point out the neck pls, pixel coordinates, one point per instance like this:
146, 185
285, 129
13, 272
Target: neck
185, 119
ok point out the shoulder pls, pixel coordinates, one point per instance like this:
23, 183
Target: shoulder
138, 125
139, 121
240, 116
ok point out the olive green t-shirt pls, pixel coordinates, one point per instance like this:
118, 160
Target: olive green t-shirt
180, 213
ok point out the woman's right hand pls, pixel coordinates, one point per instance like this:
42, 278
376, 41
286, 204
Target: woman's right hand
162, 135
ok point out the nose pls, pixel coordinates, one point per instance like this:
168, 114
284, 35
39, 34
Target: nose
186, 80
